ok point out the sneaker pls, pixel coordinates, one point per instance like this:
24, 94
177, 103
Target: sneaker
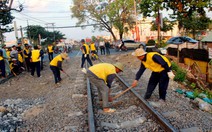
109, 110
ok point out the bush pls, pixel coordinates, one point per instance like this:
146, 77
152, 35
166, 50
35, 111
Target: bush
180, 74
151, 42
174, 66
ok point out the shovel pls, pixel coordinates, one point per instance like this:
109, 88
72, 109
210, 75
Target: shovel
118, 95
66, 74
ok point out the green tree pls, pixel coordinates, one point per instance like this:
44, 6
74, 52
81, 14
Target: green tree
6, 18
33, 32
184, 12
116, 14
167, 25
196, 23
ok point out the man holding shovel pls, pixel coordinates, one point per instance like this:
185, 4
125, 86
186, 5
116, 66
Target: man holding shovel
56, 66
102, 75
161, 72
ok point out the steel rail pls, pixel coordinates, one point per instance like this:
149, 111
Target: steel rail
91, 121
159, 118
156, 115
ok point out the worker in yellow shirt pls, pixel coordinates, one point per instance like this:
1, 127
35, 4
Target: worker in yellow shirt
85, 53
102, 75
35, 61
56, 66
93, 51
27, 56
50, 50
2, 65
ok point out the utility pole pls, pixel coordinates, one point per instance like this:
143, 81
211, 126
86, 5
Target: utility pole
53, 29
159, 26
29, 37
135, 20
53, 32
22, 39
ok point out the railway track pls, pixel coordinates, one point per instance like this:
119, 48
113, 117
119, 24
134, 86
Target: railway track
133, 113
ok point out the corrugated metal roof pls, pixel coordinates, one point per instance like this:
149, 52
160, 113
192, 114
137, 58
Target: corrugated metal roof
208, 38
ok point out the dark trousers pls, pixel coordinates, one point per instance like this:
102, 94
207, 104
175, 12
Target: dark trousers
41, 63
107, 50
35, 65
102, 49
88, 60
2, 68
56, 72
27, 60
50, 56
163, 80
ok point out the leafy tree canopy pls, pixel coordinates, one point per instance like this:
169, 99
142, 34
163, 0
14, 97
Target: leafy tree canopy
33, 32
105, 15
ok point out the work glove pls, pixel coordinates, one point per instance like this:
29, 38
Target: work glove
135, 82
171, 75
85, 55
84, 70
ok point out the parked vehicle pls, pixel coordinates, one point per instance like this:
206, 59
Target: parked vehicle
131, 44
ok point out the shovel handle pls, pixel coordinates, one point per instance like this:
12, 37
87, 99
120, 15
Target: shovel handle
118, 95
65, 73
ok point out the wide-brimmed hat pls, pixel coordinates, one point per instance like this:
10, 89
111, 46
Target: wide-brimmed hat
119, 66
139, 52
64, 55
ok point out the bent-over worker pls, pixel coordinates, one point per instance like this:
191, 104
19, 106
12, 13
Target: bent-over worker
56, 66
102, 75
161, 72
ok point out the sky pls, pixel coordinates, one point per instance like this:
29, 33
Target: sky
41, 12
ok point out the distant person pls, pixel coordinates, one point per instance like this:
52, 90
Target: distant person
27, 53
93, 51
85, 53
41, 56
102, 47
107, 46
122, 44
97, 46
15, 67
2, 65
35, 61
50, 50
6, 60
14, 52
161, 72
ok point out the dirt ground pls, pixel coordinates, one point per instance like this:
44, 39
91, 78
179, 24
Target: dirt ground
26, 86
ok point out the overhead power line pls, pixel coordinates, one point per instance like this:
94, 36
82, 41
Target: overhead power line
34, 18
87, 25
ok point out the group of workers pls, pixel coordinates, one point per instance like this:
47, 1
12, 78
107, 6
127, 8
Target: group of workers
102, 75
15, 59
